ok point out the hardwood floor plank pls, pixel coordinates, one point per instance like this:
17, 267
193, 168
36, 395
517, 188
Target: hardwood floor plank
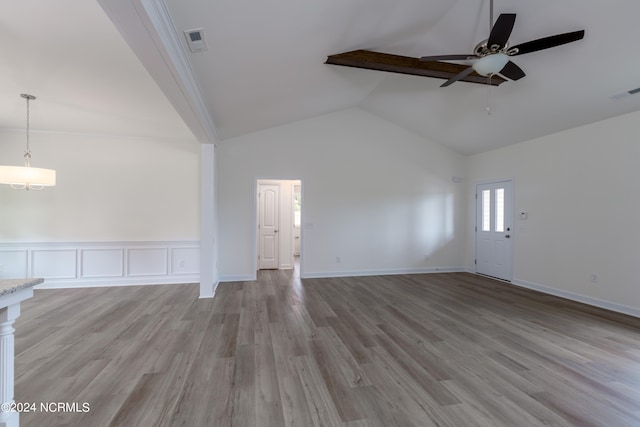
243, 397
425, 355
321, 405
379, 412
427, 383
268, 404
349, 369
226, 347
295, 408
350, 339
392, 388
496, 407
574, 414
247, 321
207, 386
335, 381
154, 397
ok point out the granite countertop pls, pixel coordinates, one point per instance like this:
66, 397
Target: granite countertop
9, 286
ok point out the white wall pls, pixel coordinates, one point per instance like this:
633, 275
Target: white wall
108, 189
375, 195
580, 189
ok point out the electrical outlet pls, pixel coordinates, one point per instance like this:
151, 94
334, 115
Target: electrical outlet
338, 259
594, 278
181, 263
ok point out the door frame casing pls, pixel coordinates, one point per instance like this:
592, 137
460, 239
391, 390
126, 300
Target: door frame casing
476, 200
256, 179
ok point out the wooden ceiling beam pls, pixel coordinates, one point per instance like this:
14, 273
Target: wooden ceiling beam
406, 65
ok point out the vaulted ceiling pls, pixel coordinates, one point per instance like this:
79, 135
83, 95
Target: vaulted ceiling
264, 66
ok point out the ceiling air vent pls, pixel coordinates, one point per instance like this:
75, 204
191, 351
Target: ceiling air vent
195, 40
622, 95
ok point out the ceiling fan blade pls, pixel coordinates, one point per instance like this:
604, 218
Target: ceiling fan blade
512, 71
461, 75
448, 57
547, 42
501, 30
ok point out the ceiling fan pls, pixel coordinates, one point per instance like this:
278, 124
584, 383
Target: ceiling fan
491, 56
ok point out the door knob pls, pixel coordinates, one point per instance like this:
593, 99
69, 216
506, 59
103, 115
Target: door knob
275, 231
507, 236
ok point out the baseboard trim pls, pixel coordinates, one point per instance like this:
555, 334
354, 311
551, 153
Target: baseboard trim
209, 295
607, 305
389, 272
62, 284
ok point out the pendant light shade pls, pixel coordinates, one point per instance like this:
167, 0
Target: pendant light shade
25, 177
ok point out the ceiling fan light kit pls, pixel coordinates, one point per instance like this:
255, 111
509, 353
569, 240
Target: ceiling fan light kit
490, 64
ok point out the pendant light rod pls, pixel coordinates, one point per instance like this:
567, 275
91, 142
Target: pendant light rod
27, 152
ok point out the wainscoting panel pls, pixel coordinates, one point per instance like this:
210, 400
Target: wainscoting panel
54, 263
147, 261
185, 261
86, 264
102, 262
14, 263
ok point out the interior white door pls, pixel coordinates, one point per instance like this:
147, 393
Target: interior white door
268, 223
494, 229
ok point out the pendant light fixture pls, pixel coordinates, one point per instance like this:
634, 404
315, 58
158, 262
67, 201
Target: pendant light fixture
25, 177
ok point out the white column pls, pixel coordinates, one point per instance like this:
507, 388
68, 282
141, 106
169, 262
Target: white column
208, 256
8, 315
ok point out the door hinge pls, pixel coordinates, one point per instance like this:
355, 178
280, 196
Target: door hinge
476, 196
258, 257
475, 261
476, 228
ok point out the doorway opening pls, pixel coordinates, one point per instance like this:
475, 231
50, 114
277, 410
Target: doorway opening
278, 224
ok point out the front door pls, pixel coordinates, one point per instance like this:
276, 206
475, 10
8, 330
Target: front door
494, 229
268, 223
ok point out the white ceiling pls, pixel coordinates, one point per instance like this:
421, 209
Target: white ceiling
265, 67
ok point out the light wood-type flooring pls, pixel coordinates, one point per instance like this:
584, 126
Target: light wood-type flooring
411, 350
